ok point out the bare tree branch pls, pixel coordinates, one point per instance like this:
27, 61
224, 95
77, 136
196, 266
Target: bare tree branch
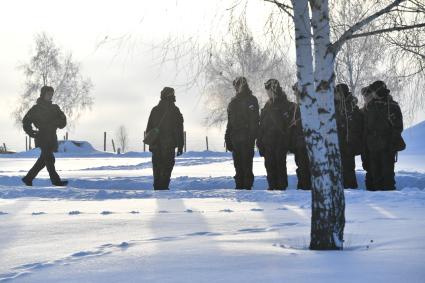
392, 29
335, 47
283, 7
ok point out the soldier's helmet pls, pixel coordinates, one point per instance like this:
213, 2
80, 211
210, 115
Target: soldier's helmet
240, 83
343, 89
380, 88
167, 93
274, 86
45, 89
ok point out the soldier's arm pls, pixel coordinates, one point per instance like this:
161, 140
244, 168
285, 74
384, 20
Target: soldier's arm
27, 122
180, 130
61, 118
397, 119
227, 140
256, 117
150, 121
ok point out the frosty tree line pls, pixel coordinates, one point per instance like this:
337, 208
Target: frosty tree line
334, 40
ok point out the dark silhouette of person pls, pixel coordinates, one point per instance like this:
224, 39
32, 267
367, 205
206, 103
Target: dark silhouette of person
349, 122
276, 122
167, 118
383, 128
299, 147
242, 131
46, 117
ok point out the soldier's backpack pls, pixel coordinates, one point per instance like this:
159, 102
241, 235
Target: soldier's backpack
152, 135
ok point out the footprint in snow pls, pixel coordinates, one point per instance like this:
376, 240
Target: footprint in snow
188, 210
163, 211
134, 212
257, 209
204, 234
74, 212
106, 212
281, 208
253, 230
3, 213
285, 224
38, 213
226, 210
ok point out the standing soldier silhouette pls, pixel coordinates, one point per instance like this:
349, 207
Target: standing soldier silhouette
299, 147
241, 132
383, 127
276, 122
349, 122
166, 122
47, 118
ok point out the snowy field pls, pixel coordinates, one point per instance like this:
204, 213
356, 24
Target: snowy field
109, 226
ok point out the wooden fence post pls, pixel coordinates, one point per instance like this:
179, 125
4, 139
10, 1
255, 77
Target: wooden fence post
26, 143
4, 146
104, 141
225, 147
29, 146
113, 145
206, 140
66, 135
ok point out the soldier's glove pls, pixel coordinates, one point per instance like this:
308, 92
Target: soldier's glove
229, 146
33, 134
179, 151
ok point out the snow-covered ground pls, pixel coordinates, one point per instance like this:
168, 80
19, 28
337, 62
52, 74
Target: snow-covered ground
109, 226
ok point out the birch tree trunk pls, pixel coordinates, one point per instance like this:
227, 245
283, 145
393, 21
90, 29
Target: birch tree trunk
315, 86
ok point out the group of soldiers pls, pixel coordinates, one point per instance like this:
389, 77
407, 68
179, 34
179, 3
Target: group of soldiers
374, 132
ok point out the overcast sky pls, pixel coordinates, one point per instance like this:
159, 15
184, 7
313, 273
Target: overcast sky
127, 80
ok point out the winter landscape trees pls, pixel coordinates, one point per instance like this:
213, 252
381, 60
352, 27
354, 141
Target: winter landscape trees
49, 65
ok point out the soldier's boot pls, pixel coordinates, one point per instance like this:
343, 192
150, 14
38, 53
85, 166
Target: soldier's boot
27, 181
60, 183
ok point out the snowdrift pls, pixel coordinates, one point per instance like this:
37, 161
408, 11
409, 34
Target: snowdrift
414, 138
68, 148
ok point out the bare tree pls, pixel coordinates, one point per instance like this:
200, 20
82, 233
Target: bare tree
366, 59
49, 66
316, 58
241, 55
122, 137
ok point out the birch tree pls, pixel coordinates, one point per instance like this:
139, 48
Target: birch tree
50, 66
315, 57
122, 137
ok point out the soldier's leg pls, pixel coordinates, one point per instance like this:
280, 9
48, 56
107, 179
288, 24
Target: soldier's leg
237, 163
156, 165
270, 164
281, 171
49, 160
36, 168
348, 168
303, 169
365, 164
247, 164
375, 163
388, 170
168, 158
